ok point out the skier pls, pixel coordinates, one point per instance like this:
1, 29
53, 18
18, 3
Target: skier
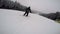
27, 11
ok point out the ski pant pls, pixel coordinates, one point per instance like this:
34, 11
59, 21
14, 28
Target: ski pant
26, 13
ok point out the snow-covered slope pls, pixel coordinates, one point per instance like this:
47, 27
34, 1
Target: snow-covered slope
13, 22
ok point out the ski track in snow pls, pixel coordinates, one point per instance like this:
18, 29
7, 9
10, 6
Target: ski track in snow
13, 22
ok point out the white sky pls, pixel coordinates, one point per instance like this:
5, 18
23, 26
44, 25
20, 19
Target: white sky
46, 6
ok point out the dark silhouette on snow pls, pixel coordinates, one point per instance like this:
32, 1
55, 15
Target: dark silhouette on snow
27, 11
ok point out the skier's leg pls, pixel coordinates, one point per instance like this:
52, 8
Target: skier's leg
27, 13
24, 13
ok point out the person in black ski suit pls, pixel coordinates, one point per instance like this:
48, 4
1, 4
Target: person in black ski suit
27, 11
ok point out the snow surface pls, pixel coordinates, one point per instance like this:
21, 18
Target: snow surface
13, 22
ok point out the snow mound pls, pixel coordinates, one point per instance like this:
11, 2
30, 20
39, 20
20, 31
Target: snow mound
13, 22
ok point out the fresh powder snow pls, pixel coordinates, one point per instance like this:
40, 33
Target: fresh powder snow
13, 22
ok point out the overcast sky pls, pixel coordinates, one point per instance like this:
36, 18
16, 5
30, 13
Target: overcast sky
46, 6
